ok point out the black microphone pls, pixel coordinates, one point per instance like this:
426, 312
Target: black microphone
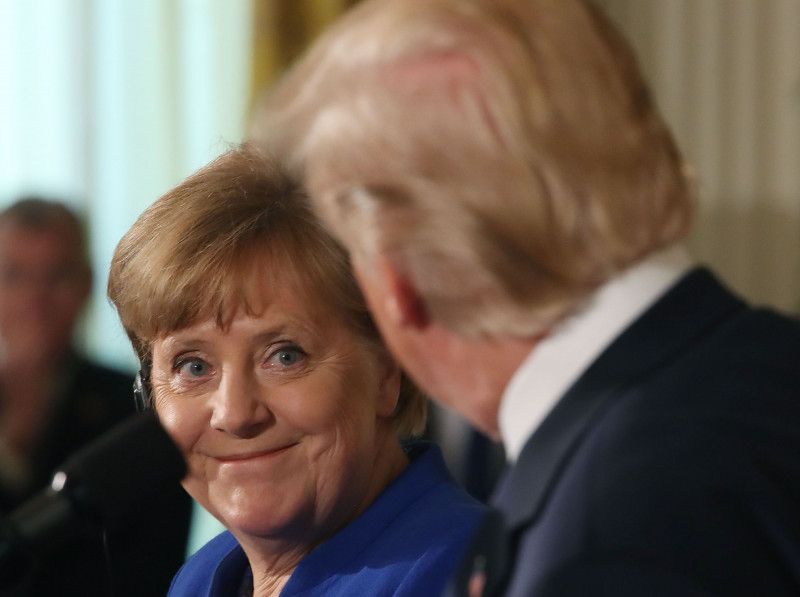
101, 485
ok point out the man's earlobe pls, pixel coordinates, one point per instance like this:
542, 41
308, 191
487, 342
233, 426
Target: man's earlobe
404, 304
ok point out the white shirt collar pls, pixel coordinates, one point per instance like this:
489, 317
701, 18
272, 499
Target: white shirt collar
558, 361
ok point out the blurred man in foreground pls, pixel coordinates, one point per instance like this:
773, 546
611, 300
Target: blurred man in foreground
515, 206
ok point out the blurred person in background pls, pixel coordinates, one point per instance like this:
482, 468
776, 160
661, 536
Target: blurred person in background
54, 400
515, 208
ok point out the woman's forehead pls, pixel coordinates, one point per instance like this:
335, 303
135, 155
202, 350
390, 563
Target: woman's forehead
284, 315
262, 287
258, 279
266, 327
264, 281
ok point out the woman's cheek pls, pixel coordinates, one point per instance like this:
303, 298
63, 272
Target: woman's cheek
174, 422
301, 405
185, 432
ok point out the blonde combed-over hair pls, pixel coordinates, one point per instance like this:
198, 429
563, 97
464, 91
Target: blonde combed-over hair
192, 256
505, 154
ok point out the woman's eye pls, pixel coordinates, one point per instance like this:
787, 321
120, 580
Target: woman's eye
193, 367
286, 357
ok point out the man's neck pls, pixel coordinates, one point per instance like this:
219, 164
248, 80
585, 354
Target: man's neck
491, 363
576, 342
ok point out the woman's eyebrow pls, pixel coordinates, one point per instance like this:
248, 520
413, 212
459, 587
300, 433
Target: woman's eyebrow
172, 343
272, 334
296, 330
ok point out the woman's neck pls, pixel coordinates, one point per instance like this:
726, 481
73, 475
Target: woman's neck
269, 577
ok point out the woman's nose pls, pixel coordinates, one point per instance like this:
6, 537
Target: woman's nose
239, 407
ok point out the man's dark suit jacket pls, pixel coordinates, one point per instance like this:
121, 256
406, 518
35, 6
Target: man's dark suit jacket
671, 468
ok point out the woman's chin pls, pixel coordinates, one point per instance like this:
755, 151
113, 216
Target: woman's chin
256, 515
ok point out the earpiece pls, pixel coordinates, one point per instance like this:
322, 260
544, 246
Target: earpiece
141, 388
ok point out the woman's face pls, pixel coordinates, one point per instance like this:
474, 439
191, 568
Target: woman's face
283, 417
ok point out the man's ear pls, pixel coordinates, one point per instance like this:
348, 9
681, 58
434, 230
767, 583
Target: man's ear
404, 304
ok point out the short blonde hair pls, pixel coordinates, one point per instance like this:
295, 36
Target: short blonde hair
505, 153
190, 257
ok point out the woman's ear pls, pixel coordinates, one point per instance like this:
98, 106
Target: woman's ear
388, 386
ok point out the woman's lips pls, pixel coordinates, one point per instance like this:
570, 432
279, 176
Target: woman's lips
245, 456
